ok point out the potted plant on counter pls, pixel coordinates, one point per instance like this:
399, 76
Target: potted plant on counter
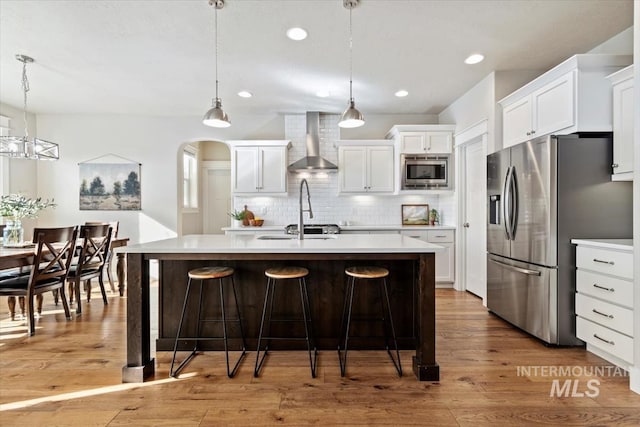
434, 218
238, 217
14, 208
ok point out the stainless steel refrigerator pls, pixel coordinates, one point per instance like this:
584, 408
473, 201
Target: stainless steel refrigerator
541, 194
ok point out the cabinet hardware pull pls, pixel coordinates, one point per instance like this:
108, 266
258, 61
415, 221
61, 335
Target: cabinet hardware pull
528, 133
602, 339
533, 131
440, 236
595, 285
615, 165
603, 262
610, 316
465, 225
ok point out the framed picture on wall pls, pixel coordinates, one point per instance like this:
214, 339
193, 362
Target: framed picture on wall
109, 186
415, 214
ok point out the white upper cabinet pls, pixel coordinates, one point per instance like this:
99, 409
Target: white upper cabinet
572, 97
259, 167
365, 168
423, 139
623, 123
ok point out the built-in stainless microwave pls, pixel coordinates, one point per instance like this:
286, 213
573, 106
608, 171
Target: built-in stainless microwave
420, 171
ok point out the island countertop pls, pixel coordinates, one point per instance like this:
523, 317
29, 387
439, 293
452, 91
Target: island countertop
248, 243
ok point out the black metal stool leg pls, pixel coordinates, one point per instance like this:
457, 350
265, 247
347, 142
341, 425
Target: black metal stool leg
173, 373
308, 327
259, 361
244, 343
343, 360
398, 365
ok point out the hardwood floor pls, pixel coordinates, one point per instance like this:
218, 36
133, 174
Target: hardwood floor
69, 374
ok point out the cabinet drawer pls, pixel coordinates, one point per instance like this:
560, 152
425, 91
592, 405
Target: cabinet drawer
605, 339
606, 261
606, 314
611, 289
435, 236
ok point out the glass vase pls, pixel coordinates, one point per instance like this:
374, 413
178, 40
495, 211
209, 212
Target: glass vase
13, 233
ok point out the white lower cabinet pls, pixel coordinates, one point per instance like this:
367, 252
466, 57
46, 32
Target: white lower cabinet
604, 302
445, 261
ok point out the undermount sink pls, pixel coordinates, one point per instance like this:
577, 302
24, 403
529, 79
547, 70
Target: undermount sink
294, 237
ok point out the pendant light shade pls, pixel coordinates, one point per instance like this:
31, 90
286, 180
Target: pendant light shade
216, 117
26, 147
351, 118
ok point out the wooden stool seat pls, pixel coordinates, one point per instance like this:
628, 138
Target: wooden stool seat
206, 273
286, 272
367, 272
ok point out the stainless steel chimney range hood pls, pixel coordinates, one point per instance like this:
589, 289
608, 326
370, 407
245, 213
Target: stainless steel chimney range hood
312, 162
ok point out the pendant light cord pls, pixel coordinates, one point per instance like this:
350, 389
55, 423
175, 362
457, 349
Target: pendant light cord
216, 43
350, 57
25, 89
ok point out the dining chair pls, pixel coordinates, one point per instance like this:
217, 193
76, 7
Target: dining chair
51, 263
115, 225
91, 261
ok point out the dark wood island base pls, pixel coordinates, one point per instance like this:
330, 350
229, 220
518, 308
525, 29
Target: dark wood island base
411, 284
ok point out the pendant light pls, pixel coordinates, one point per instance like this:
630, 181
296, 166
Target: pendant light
23, 147
216, 117
351, 118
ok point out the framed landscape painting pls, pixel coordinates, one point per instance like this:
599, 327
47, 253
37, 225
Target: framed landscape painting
109, 186
415, 214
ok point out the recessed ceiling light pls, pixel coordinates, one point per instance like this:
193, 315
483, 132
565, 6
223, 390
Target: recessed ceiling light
401, 93
245, 94
323, 93
474, 59
296, 33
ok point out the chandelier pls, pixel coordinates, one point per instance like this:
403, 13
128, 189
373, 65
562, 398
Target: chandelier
25, 147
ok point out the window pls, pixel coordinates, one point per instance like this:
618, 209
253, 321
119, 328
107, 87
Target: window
190, 178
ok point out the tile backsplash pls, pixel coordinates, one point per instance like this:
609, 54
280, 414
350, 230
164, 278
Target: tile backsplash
328, 206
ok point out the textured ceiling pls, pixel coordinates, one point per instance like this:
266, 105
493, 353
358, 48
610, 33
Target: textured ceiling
157, 57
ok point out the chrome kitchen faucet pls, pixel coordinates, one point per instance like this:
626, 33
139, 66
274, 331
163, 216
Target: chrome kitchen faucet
302, 211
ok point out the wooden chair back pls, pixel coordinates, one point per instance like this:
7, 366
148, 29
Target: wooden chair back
55, 248
95, 248
115, 225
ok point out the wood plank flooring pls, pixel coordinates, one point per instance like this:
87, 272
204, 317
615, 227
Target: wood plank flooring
69, 374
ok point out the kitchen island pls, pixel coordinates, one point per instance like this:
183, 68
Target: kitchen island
412, 282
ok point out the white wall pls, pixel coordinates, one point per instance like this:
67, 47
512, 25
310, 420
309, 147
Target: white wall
19, 175
635, 371
155, 142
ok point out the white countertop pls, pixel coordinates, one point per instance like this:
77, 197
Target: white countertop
387, 227
621, 244
249, 243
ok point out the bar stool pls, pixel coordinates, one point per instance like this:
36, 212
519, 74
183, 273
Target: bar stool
203, 274
367, 273
286, 273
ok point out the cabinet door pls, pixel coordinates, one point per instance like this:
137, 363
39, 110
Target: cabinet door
439, 142
413, 142
273, 170
380, 169
353, 169
445, 263
554, 106
623, 127
245, 170
516, 122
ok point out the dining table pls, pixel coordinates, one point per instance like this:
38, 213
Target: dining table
23, 257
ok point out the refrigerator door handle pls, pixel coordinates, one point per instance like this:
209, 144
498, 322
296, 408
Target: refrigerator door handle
513, 216
518, 269
506, 202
